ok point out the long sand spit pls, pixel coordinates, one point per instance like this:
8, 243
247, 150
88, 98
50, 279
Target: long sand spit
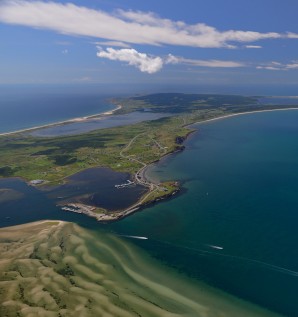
73, 120
242, 113
54, 268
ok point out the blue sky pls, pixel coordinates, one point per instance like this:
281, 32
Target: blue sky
215, 42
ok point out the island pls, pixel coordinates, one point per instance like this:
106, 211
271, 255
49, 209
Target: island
50, 161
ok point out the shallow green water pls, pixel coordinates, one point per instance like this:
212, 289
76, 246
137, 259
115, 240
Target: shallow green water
240, 180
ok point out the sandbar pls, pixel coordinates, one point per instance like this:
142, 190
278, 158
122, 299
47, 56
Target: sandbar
80, 119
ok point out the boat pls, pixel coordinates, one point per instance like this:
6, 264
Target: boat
215, 247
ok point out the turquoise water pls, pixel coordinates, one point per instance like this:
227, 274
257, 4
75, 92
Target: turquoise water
234, 224
240, 180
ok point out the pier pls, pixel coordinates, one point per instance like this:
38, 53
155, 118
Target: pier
127, 184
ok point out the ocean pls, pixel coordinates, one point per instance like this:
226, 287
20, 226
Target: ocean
234, 224
23, 108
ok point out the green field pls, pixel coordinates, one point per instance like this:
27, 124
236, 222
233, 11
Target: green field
182, 103
53, 159
125, 148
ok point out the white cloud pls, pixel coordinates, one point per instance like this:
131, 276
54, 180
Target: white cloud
123, 26
270, 68
65, 52
253, 46
292, 65
142, 61
291, 35
279, 66
171, 59
153, 64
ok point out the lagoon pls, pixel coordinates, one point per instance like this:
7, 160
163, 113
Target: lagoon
101, 122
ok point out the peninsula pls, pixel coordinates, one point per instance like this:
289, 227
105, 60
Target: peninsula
45, 161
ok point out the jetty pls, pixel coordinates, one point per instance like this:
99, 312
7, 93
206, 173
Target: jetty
127, 184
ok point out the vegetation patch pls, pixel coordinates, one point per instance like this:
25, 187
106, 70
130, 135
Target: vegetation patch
6, 171
62, 160
53, 159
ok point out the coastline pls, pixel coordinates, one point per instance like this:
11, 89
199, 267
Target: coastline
156, 191
241, 113
142, 172
140, 178
50, 266
73, 120
147, 170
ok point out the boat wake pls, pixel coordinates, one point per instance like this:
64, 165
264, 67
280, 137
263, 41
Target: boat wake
133, 237
235, 257
214, 246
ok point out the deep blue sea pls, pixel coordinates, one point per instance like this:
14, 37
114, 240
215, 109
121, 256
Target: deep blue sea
234, 224
23, 108
240, 181
26, 108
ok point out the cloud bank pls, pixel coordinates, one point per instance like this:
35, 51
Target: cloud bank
124, 26
152, 64
279, 66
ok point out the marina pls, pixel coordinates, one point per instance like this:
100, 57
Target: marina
127, 184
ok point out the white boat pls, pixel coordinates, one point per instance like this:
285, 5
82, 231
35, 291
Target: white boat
215, 247
134, 237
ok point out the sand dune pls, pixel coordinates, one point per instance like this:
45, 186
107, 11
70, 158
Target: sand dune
54, 268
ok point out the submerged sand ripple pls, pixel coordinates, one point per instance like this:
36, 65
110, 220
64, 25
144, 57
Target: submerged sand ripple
59, 269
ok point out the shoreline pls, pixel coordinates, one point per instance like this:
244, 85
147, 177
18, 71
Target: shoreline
241, 113
73, 120
158, 191
125, 281
141, 177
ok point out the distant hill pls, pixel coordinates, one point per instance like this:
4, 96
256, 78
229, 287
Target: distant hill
179, 102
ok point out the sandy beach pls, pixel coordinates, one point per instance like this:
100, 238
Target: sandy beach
241, 113
52, 268
81, 119
111, 112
